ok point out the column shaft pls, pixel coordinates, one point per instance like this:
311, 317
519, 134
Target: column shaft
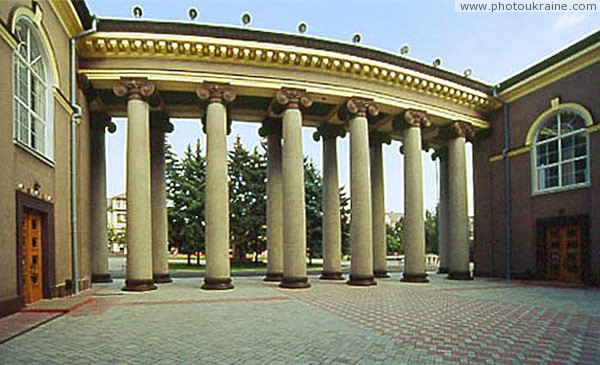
361, 226
217, 200
274, 209
443, 218
414, 224
294, 209
458, 249
332, 228
378, 196
139, 230
160, 260
98, 220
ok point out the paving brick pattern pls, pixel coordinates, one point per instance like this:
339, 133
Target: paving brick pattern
444, 322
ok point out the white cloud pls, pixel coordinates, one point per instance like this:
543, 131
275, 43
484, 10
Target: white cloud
569, 20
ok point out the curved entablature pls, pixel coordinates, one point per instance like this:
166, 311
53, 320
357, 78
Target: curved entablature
177, 57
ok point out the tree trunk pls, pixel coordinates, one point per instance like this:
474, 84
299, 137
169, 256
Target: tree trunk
189, 259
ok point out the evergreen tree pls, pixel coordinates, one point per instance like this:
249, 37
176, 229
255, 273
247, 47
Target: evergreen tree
313, 191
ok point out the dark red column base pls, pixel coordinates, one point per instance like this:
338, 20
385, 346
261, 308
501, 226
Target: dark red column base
294, 283
381, 274
162, 278
139, 285
101, 278
361, 280
414, 278
460, 275
331, 275
273, 277
217, 284
443, 270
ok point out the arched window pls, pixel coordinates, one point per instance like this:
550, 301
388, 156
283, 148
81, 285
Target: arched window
560, 152
31, 90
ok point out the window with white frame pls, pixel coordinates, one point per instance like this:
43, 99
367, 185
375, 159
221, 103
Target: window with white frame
31, 90
561, 152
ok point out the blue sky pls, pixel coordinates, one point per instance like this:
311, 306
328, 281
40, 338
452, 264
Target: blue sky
494, 45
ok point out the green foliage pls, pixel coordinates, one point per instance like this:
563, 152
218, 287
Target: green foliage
395, 237
186, 179
115, 237
247, 201
431, 232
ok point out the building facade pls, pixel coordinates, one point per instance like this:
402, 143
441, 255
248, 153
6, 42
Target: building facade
58, 109
537, 176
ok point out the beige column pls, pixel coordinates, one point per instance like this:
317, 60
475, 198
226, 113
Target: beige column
139, 230
414, 223
288, 102
159, 124
98, 222
443, 217
218, 276
355, 112
332, 228
458, 250
378, 195
272, 130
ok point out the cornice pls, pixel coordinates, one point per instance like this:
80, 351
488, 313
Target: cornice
222, 50
67, 15
551, 74
189, 80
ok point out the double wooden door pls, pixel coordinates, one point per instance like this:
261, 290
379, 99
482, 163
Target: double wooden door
563, 253
32, 256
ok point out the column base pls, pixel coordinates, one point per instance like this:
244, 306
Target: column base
414, 278
460, 275
381, 274
101, 278
217, 284
443, 270
162, 278
361, 280
294, 282
273, 277
331, 275
139, 285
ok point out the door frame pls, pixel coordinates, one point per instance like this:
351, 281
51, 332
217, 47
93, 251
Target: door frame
46, 209
541, 228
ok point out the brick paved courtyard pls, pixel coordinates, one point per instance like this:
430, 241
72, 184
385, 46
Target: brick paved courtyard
478, 322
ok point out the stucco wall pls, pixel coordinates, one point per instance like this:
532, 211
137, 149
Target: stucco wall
581, 88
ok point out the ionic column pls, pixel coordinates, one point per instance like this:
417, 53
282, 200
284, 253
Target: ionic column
355, 112
272, 130
218, 276
414, 224
98, 230
288, 102
378, 196
159, 124
458, 249
332, 229
139, 228
443, 214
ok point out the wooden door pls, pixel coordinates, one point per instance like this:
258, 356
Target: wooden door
32, 256
563, 253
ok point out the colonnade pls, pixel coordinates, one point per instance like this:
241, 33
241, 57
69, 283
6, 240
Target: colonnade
286, 217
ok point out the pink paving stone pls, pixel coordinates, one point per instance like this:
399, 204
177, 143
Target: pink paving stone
17, 323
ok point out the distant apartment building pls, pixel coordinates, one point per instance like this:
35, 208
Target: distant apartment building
391, 218
116, 214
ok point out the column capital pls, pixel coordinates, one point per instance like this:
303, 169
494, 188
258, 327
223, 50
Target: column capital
356, 107
134, 89
270, 126
412, 118
379, 138
100, 121
459, 129
216, 93
329, 131
160, 121
287, 98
